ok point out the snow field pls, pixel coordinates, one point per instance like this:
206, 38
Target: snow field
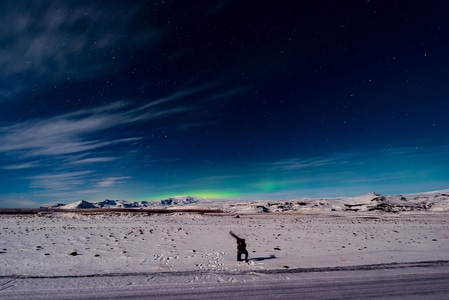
69, 244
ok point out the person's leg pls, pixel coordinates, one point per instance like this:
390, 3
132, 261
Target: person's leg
246, 255
239, 256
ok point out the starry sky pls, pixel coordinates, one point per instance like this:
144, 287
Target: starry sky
226, 99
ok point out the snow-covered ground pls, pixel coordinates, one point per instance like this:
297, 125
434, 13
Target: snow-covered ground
126, 243
304, 233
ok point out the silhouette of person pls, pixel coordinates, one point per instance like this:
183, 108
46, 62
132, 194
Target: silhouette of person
241, 247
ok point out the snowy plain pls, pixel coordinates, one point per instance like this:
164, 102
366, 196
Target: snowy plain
73, 241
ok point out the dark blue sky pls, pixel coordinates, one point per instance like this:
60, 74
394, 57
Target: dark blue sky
141, 100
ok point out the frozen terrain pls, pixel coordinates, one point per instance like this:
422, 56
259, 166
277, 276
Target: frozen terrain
80, 239
88, 244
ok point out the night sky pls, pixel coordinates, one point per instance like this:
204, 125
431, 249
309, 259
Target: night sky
142, 100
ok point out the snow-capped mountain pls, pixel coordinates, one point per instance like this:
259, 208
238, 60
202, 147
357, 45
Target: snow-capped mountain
173, 201
179, 200
78, 205
119, 204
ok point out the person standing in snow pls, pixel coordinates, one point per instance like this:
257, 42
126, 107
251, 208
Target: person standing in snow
241, 247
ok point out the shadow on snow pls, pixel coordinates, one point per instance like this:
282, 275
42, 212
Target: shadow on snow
272, 256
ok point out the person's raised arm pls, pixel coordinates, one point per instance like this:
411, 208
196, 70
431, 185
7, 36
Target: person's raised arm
232, 233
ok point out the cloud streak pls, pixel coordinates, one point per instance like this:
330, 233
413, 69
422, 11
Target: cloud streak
20, 166
60, 181
111, 181
64, 40
68, 133
93, 160
297, 163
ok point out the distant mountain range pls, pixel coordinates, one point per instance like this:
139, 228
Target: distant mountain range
431, 201
173, 201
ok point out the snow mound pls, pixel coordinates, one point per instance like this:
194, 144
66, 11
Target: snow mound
52, 205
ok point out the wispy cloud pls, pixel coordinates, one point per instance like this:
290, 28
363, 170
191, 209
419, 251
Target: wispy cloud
64, 41
92, 160
61, 181
217, 6
69, 133
111, 181
298, 163
229, 93
214, 180
356, 158
20, 166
